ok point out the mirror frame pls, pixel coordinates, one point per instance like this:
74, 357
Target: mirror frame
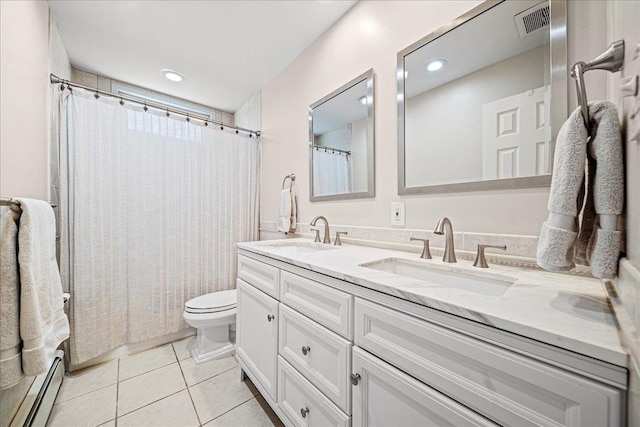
368, 77
559, 104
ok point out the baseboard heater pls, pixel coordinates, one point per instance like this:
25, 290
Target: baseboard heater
37, 404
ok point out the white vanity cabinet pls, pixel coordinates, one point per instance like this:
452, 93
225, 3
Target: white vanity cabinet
509, 388
324, 351
257, 335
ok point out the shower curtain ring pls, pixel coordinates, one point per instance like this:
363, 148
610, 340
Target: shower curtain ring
121, 101
145, 107
188, 118
167, 113
237, 131
206, 123
96, 95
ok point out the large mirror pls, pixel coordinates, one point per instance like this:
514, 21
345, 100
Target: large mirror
480, 100
341, 142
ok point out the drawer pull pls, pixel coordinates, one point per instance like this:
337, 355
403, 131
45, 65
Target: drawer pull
306, 350
270, 317
355, 378
304, 412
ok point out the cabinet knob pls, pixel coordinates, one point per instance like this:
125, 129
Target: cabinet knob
270, 317
355, 378
304, 412
306, 349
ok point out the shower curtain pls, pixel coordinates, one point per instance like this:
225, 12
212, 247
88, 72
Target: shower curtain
331, 173
150, 209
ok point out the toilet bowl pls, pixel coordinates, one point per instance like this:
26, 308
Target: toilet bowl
214, 316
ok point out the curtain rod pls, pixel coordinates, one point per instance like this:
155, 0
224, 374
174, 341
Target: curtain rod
320, 147
55, 80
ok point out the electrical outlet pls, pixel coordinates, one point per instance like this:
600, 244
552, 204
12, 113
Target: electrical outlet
397, 213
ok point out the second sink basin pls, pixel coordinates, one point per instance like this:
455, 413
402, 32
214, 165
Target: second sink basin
481, 283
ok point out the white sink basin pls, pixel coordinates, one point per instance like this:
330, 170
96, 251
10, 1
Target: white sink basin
301, 247
477, 282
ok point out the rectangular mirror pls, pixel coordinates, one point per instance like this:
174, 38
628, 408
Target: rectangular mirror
341, 142
481, 99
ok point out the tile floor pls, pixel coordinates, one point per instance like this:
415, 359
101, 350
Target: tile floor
161, 387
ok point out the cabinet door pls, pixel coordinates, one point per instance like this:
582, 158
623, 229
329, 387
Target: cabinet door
386, 396
257, 334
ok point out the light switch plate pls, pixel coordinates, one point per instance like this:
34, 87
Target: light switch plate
397, 213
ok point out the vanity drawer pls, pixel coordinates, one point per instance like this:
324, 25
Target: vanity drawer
506, 387
322, 357
303, 403
263, 276
328, 306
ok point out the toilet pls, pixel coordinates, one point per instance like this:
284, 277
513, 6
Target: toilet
214, 316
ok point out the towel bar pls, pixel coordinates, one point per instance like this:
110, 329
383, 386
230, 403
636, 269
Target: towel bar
5, 201
292, 177
610, 60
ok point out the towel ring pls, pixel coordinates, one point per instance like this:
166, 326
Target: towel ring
610, 60
292, 177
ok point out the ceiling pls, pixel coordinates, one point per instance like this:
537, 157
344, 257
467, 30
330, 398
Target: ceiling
227, 50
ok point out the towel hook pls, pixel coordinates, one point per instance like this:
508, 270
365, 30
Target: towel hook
610, 60
292, 177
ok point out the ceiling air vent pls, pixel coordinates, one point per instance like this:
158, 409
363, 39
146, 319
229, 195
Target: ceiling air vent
533, 19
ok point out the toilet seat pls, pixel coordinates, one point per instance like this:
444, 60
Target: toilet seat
212, 303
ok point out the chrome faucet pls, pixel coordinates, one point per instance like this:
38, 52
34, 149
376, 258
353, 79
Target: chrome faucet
444, 227
327, 236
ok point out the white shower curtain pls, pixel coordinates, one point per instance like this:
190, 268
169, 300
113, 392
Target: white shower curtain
331, 173
150, 208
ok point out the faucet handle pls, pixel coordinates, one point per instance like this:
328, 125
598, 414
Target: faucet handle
338, 242
317, 239
481, 261
426, 253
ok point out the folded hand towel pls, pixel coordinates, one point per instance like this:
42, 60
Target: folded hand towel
10, 360
284, 215
43, 323
561, 241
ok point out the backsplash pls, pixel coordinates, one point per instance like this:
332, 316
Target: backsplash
521, 249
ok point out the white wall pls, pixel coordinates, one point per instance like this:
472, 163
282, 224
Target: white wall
369, 36
248, 116
24, 113
27, 102
447, 120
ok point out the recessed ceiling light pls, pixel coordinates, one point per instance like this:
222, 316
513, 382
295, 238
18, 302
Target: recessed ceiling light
363, 100
436, 64
173, 75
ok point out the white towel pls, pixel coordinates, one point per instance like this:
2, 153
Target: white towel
43, 323
287, 221
10, 361
596, 241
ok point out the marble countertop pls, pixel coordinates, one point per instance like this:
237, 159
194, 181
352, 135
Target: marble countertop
563, 310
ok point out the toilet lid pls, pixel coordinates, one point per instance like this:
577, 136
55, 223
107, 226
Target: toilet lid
215, 301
